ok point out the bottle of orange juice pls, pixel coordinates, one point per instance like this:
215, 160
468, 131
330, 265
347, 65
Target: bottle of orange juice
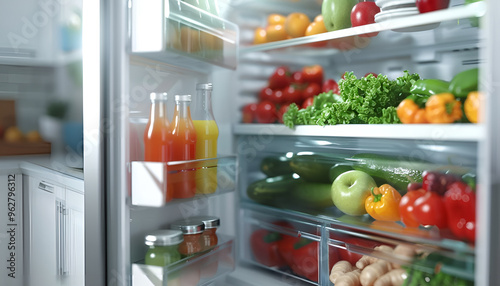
207, 133
156, 135
183, 148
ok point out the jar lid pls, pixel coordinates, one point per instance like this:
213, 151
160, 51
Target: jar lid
158, 96
164, 237
209, 221
204, 86
189, 226
184, 97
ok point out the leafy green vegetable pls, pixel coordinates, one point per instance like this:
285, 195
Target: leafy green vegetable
369, 99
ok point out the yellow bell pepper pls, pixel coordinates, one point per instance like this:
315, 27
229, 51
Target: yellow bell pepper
471, 106
383, 204
443, 108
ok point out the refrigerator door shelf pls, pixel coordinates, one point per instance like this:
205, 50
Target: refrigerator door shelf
149, 179
182, 34
201, 269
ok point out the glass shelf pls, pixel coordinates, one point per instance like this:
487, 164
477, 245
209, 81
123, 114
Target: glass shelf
477, 9
149, 179
175, 32
200, 269
435, 132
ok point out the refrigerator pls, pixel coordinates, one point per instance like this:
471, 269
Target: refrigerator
133, 48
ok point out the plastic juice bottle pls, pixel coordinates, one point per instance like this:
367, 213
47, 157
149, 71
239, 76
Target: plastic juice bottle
183, 147
157, 133
207, 133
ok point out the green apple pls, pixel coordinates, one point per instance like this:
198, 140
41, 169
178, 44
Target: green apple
337, 13
350, 190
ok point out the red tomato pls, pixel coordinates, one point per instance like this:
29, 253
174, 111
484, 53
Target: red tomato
266, 94
266, 112
281, 78
292, 94
248, 113
406, 207
312, 74
264, 245
308, 102
425, 6
311, 90
363, 13
285, 248
297, 77
282, 111
278, 97
305, 259
429, 209
374, 74
331, 84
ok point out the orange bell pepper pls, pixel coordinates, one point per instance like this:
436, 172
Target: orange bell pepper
410, 112
383, 204
443, 108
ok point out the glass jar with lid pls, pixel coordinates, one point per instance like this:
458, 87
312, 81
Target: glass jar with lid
163, 247
192, 230
209, 238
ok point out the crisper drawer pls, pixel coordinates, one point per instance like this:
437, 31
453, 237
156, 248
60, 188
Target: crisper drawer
179, 33
201, 269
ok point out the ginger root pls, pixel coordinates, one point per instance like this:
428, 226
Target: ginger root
373, 271
339, 269
349, 279
395, 277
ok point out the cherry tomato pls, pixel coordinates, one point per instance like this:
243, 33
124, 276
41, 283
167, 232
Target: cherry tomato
312, 74
311, 90
429, 209
425, 6
248, 113
308, 102
278, 96
363, 13
281, 78
281, 111
406, 207
331, 84
265, 94
297, 77
292, 94
266, 112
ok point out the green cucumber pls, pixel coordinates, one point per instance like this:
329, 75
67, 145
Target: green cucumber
397, 172
338, 169
274, 166
273, 191
313, 167
315, 196
464, 82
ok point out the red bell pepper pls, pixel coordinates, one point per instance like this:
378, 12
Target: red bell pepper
264, 245
305, 259
407, 207
429, 209
460, 203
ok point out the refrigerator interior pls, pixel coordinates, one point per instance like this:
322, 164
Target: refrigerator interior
238, 72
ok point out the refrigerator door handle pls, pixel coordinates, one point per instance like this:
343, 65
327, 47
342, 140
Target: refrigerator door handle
65, 252
58, 238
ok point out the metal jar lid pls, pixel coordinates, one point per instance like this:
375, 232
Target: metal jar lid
204, 86
209, 221
184, 97
189, 226
158, 96
164, 237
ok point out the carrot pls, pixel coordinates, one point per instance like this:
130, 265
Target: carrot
349, 279
395, 277
373, 271
339, 269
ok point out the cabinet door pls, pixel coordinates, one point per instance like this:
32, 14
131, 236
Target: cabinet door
73, 262
43, 214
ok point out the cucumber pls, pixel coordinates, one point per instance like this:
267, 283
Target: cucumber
274, 166
274, 191
397, 172
313, 167
315, 196
338, 169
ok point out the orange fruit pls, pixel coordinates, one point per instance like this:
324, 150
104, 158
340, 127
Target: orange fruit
259, 36
316, 28
296, 24
275, 33
13, 134
318, 18
34, 136
276, 19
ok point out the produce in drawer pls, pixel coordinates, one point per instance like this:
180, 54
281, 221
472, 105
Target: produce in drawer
264, 245
350, 190
383, 203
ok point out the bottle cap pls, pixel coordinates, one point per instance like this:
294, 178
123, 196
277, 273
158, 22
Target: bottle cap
163, 237
204, 86
158, 96
209, 221
189, 226
185, 97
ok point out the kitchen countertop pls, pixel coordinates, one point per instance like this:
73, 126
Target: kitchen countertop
59, 163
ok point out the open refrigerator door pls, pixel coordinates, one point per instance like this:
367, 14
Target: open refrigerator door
285, 214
